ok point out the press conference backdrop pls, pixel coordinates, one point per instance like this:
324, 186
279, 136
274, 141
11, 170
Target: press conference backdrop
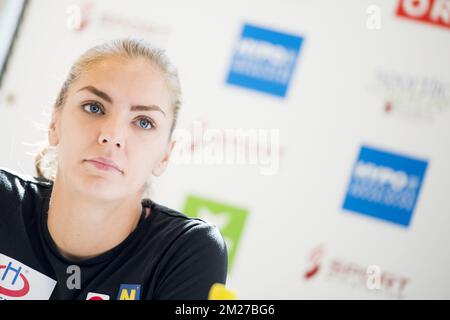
344, 104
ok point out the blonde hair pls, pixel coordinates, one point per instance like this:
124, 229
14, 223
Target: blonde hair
45, 160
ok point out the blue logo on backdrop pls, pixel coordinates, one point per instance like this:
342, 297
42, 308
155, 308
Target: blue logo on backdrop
385, 185
264, 60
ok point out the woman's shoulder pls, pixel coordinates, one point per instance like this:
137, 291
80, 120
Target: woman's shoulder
192, 228
15, 183
181, 219
194, 256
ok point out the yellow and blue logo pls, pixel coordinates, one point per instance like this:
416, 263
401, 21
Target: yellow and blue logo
129, 292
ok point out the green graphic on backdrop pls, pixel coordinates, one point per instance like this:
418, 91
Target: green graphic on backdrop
229, 219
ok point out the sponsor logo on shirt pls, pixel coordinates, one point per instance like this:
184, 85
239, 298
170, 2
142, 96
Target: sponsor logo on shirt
385, 185
18, 281
264, 60
96, 296
129, 292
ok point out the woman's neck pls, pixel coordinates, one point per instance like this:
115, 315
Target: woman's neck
83, 227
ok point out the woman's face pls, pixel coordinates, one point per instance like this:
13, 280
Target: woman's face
119, 109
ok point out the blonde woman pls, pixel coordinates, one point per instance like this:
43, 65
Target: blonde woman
82, 229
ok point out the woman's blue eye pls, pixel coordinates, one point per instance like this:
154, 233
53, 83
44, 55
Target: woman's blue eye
145, 121
92, 107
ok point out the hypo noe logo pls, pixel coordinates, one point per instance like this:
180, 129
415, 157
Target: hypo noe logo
18, 281
264, 60
385, 185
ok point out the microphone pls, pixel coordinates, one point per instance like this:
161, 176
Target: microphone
218, 291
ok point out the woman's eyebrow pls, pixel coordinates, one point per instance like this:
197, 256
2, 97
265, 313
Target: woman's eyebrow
97, 92
147, 108
107, 98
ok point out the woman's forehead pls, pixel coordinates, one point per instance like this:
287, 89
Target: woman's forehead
126, 79
128, 69
124, 62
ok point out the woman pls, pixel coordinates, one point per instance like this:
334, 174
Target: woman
81, 229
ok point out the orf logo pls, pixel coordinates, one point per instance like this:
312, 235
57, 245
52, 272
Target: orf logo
12, 282
436, 12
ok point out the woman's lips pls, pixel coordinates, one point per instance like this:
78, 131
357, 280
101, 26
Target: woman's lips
103, 166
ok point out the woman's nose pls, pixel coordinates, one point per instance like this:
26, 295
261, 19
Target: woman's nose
112, 133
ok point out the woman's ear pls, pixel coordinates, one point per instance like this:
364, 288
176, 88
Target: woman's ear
162, 165
53, 137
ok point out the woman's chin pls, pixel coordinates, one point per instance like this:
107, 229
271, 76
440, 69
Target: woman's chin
99, 187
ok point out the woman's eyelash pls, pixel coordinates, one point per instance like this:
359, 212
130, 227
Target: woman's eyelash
152, 123
100, 107
93, 104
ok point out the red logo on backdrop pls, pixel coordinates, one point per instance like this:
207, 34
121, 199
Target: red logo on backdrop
436, 12
352, 273
315, 258
14, 276
85, 11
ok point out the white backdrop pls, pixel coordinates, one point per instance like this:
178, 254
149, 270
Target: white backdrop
353, 85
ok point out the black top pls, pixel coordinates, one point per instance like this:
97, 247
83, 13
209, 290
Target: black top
167, 256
